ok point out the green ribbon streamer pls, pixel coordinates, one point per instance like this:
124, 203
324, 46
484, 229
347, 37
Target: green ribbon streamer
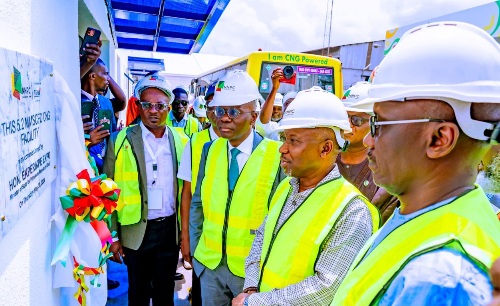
64, 243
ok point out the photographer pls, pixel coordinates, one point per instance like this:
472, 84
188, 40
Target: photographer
271, 109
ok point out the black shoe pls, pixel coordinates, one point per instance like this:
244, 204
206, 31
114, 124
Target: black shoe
178, 276
112, 284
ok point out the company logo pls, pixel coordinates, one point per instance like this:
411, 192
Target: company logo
17, 86
153, 78
346, 94
220, 85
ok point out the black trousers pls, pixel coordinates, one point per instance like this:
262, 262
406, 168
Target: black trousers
152, 267
195, 291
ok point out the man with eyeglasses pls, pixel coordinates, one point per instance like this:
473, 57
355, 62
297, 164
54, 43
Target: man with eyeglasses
178, 117
318, 221
238, 174
436, 103
188, 173
143, 161
353, 163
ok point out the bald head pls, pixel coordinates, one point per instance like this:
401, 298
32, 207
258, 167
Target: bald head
309, 153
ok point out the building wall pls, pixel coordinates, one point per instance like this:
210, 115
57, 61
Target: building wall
44, 28
47, 29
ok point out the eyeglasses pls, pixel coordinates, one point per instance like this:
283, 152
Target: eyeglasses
232, 113
158, 106
374, 124
183, 102
357, 120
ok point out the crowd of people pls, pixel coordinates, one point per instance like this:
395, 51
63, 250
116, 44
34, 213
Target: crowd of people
389, 196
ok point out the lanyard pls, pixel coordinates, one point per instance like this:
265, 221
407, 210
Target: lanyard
154, 157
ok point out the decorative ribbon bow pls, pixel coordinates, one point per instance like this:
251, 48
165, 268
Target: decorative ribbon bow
86, 200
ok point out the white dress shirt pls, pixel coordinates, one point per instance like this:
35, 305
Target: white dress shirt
164, 179
185, 170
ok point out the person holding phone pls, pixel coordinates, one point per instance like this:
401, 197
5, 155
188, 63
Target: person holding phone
94, 81
90, 50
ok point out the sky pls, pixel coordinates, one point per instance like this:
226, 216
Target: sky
299, 25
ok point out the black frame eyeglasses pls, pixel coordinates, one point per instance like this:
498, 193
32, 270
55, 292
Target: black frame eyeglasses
357, 120
232, 112
183, 102
158, 106
374, 123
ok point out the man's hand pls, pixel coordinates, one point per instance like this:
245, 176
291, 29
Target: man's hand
87, 127
276, 77
117, 250
240, 299
96, 135
92, 53
186, 249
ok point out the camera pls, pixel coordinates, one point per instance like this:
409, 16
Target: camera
288, 72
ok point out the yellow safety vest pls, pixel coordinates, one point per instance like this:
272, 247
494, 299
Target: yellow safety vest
467, 225
127, 177
290, 254
197, 142
191, 125
230, 219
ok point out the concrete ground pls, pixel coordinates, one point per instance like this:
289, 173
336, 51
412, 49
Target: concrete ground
118, 296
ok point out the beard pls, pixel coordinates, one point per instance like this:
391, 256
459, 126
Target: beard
489, 179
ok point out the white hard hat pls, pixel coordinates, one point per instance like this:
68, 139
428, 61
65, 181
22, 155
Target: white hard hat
234, 89
278, 100
289, 95
450, 61
258, 108
355, 94
316, 107
199, 107
153, 81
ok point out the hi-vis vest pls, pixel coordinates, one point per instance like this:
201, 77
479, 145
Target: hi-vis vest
191, 125
129, 205
467, 225
289, 255
198, 140
230, 219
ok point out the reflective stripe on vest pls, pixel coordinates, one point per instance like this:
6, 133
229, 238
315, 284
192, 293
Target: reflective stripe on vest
129, 203
289, 255
467, 225
190, 128
197, 142
230, 220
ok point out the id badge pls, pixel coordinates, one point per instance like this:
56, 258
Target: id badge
155, 198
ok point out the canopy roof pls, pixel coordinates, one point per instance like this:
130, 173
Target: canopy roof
175, 26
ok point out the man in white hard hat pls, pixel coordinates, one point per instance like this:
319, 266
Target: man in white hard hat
273, 108
199, 110
143, 160
236, 178
353, 163
188, 173
436, 102
318, 221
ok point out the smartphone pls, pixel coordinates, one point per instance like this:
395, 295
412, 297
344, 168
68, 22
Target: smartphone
91, 37
87, 109
104, 118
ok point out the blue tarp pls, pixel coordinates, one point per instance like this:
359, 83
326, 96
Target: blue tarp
182, 26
